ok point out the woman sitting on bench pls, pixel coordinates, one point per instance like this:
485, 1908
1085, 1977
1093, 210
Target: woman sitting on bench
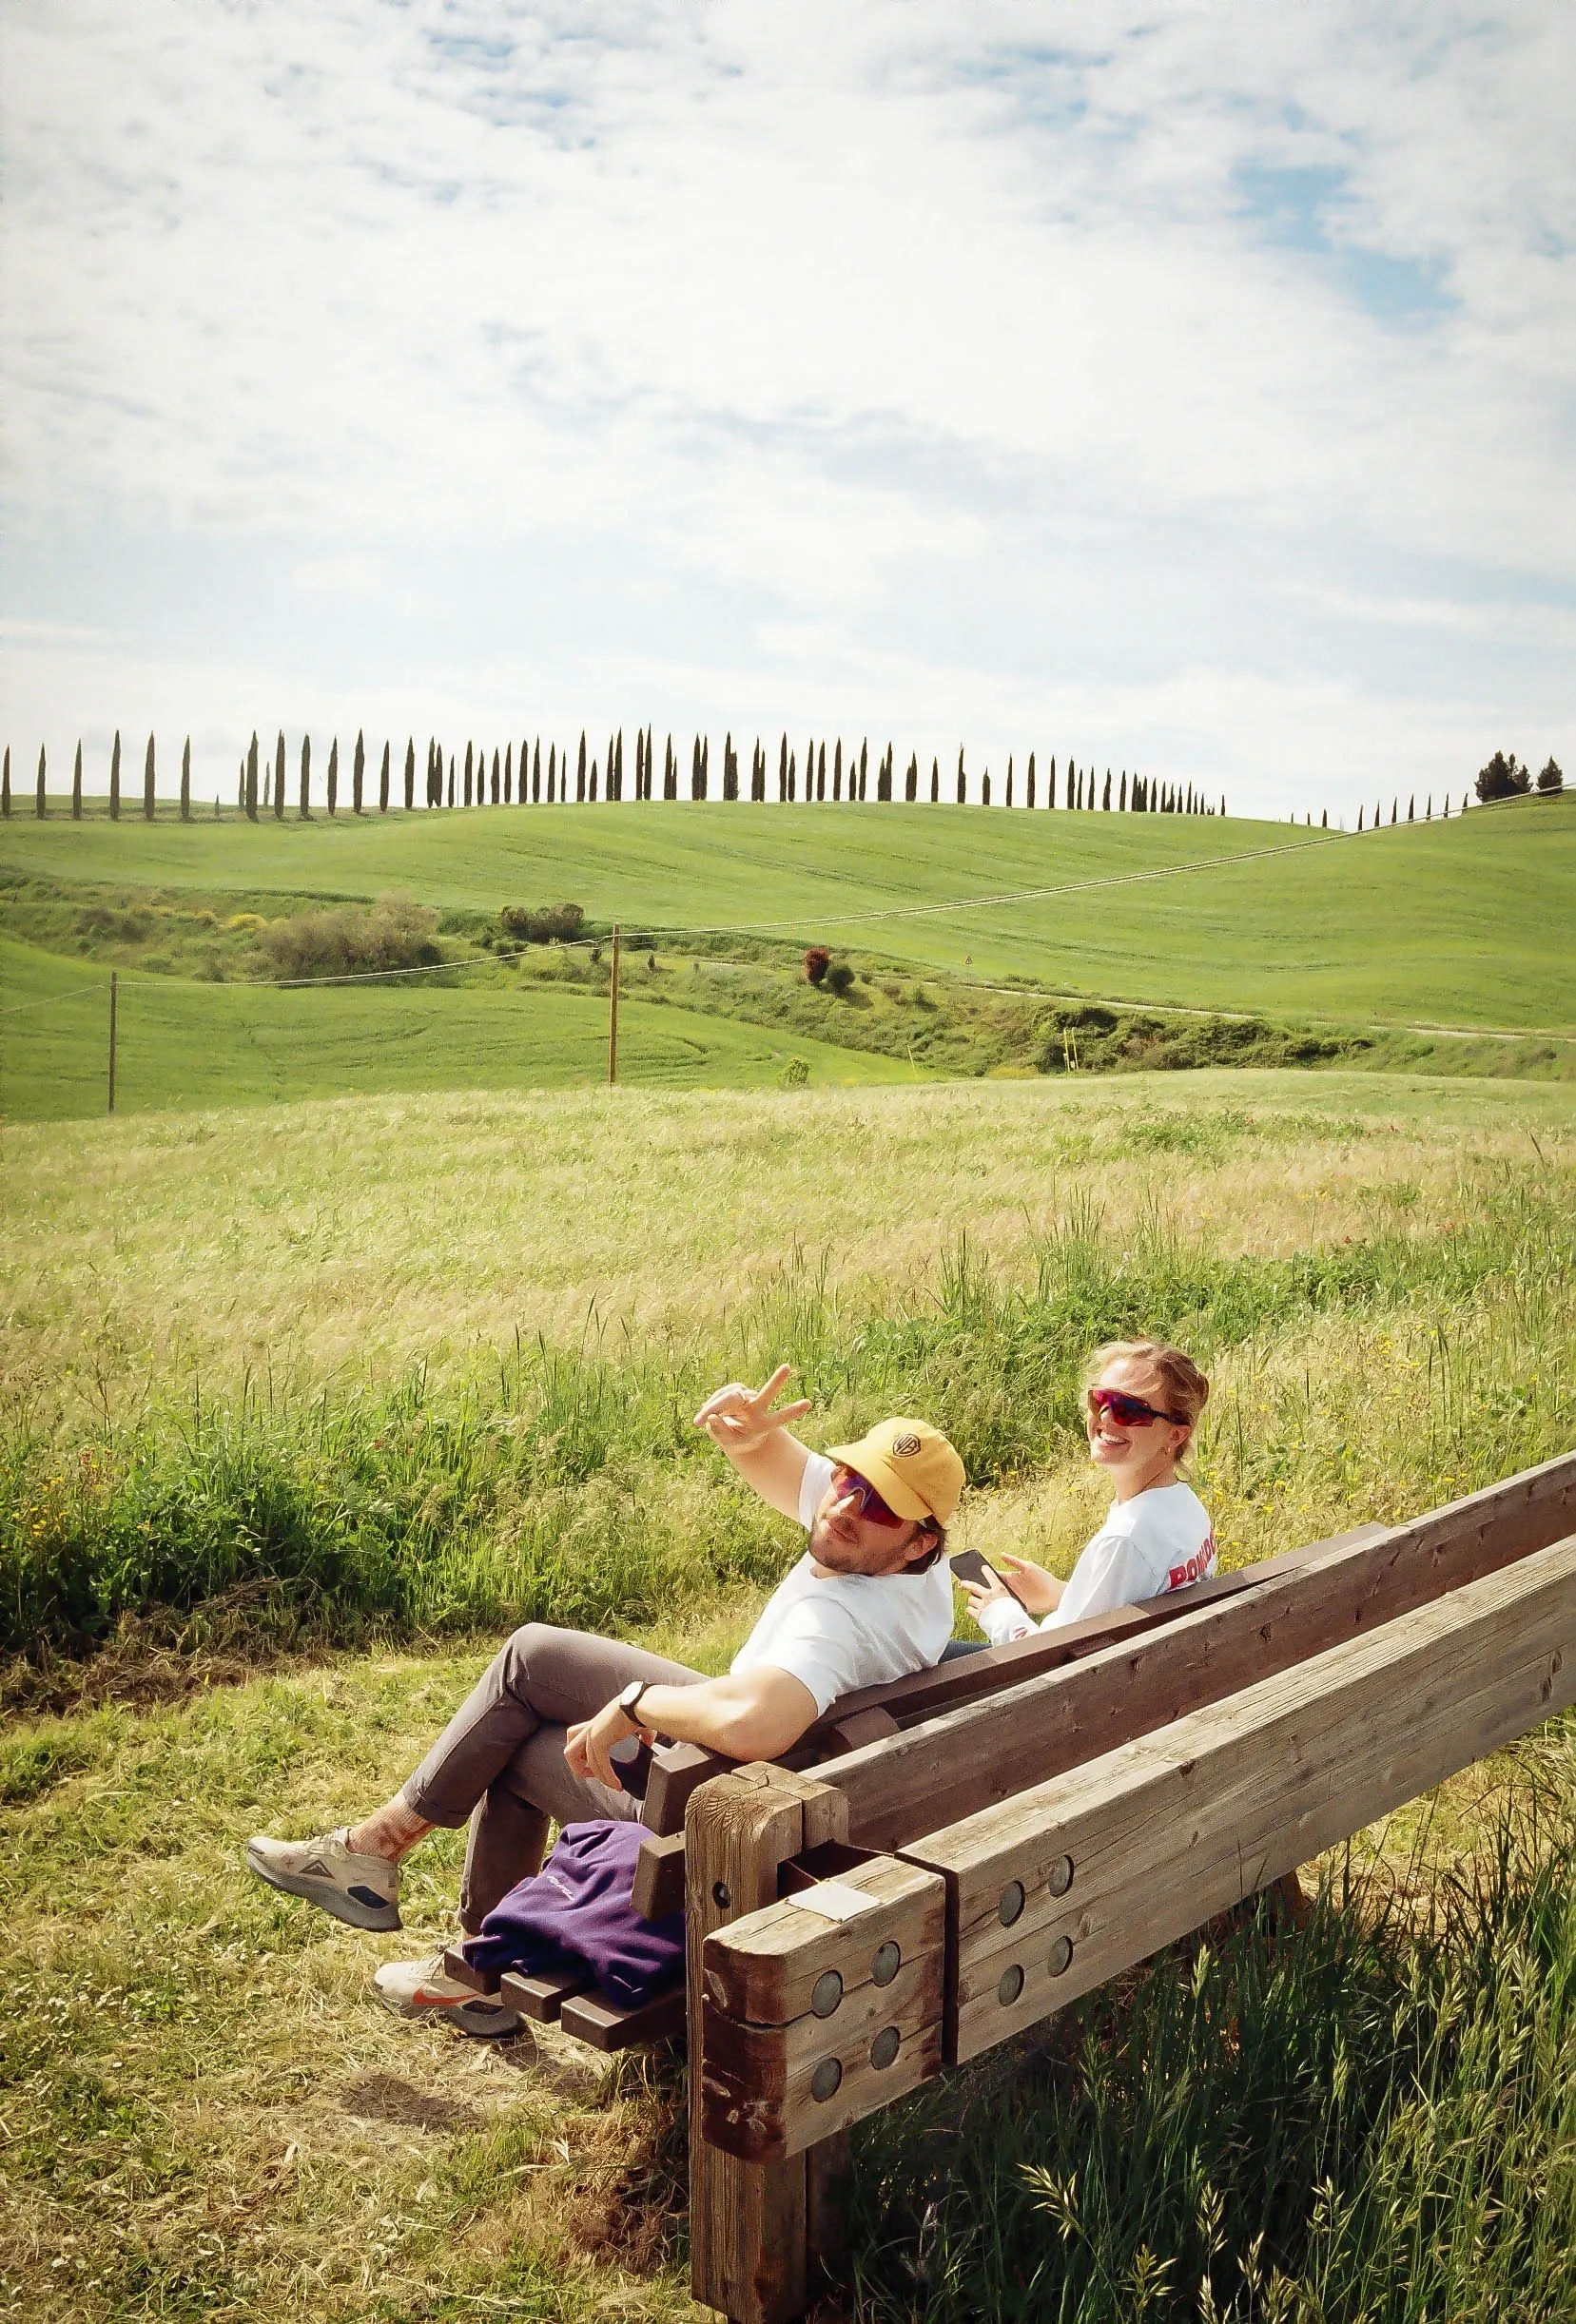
1140, 1407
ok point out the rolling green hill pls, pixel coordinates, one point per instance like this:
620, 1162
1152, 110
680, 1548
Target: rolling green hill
1462, 923
183, 1044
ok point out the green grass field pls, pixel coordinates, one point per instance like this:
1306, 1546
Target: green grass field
1459, 922
184, 1044
294, 1398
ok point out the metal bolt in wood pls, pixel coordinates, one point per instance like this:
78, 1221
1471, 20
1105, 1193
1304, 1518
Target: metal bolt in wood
826, 2079
825, 1993
1061, 1955
1061, 1878
885, 1963
885, 2047
1011, 1903
1010, 1985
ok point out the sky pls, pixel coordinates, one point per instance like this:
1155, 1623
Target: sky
1184, 389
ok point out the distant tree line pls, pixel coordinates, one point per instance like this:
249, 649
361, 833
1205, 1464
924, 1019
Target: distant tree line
500, 779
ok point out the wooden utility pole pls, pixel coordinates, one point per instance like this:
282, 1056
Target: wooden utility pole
114, 987
612, 1015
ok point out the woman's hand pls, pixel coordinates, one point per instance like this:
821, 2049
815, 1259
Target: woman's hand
1037, 1590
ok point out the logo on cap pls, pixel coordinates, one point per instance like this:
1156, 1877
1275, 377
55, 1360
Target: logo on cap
905, 1447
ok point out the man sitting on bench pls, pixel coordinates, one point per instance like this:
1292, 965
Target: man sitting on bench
870, 1601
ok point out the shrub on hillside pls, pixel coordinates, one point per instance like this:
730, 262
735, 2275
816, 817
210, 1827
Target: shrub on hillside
542, 923
1502, 777
1093, 1039
817, 961
353, 939
840, 977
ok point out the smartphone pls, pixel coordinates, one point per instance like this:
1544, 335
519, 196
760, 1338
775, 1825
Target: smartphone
969, 1566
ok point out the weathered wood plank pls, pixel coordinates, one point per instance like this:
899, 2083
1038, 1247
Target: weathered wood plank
658, 1887
766, 1968
748, 2228
612, 2026
987, 1750
1068, 1883
542, 1997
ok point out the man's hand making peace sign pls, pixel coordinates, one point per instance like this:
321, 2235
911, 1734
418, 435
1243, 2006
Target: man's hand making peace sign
742, 1424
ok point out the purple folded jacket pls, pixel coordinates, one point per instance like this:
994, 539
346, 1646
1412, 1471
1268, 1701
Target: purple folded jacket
576, 1911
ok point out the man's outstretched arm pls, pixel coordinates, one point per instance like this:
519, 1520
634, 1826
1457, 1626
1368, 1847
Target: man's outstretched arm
741, 1424
748, 1714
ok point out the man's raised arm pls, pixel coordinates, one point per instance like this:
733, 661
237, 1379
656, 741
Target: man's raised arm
741, 1424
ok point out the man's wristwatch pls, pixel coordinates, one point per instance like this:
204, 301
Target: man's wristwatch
629, 1700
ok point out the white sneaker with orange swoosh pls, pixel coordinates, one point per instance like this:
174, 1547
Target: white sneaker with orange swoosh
418, 1989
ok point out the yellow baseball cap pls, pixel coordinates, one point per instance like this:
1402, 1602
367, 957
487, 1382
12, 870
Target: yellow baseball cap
911, 1465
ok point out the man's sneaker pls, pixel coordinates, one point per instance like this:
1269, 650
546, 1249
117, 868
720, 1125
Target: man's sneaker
424, 1988
364, 1891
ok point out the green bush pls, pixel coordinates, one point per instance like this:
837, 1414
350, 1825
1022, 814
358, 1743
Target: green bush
840, 979
396, 932
542, 923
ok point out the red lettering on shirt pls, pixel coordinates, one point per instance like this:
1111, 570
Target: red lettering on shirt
1200, 1565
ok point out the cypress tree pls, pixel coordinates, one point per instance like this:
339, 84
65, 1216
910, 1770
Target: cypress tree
185, 782
1105, 802
509, 775
1427, 811
383, 781
1122, 799
790, 781
410, 773
303, 804
607, 789
251, 777
240, 789
498, 772
1412, 808
963, 786
935, 782
332, 781
1324, 821
911, 786
1359, 818
451, 777
1050, 784
592, 793
147, 782
279, 778
863, 764
1070, 770
730, 779
837, 770
536, 773
706, 765
41, 771
580, 771
552, 770
783, 794
1444, 811
820, 775
1028, 786
115, 780
620, 765
76, 786
1009, 778
883, 779
6, 785
468, 766
1079, 800
670, 769
358, 773
985, 788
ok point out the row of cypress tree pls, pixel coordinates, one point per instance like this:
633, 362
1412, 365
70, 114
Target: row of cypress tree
449, 782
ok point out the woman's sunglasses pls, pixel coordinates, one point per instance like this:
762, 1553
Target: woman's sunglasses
852, 1486
1130, 1411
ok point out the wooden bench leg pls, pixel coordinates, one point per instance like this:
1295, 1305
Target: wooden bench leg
750, 2225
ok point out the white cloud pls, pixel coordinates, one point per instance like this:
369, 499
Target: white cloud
1192, 385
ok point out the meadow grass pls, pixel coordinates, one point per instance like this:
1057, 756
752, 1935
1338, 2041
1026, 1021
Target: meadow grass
193, 1045
205, 2115
1459, 922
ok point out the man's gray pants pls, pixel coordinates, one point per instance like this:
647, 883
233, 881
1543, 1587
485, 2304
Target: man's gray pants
501, 1759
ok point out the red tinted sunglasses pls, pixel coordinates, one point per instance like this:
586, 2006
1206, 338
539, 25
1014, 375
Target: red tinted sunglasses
1130, 1411
852, 1486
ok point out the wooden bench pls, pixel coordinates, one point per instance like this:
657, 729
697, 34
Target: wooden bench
946, 1861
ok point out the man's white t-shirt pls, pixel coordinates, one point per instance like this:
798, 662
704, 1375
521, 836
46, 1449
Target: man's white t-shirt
1157, 1541
837, 1631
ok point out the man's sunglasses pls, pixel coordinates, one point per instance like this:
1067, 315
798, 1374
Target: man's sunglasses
1130, 1411
850, 1486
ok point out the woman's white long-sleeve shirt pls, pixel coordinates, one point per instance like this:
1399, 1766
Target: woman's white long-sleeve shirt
1157, 1541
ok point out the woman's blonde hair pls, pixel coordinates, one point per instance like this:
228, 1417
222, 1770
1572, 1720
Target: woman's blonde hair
1186, 1389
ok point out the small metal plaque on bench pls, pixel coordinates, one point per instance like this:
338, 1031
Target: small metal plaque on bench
834, 1900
